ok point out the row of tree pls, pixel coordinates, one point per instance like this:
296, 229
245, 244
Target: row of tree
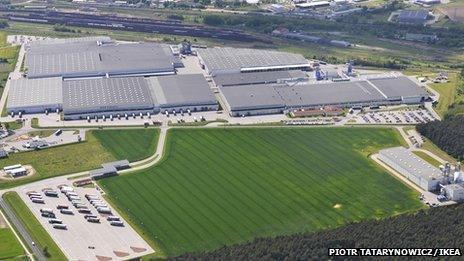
448, 134
432, 228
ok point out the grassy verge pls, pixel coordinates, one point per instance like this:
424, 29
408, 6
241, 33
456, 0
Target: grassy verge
428, 145
33, 227
447, 93
10, 248
197, 123
427, 158
99, 147
42, 133
14, 125
130, 144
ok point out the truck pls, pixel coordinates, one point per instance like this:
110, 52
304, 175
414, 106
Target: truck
51, 193
84, 211
34, 194
71, 194
117, 223
93, 220
80, 205
67, 212
48, 215
36, 197
90, 198
71, 198
60, 226
66, 189
58, 132
113, 218
104, 210
55, 221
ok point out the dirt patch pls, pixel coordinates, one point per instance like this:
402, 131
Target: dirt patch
2, 222
138, 249
120, 254
30, 171
22, 138
455, 13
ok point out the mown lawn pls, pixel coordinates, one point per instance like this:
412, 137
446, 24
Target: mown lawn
9, 245
130, 144
99, 147
32, 225
447, 93
226, 186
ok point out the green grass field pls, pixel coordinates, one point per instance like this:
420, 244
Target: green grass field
32, 225
225, 186
9, 245
427, 158
131, 144
100, 146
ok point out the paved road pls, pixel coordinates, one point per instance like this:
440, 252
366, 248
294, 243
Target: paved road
20, 228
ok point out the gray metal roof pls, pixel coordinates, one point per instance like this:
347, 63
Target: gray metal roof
86, 58
136, 58
119, 164
106, 94
303, 94
256, 77
408, 161
227, 59
252, 97
181, 90
420, 15
398, 87
102, 172
34, 92
328, 93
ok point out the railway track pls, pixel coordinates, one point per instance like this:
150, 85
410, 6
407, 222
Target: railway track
127, 23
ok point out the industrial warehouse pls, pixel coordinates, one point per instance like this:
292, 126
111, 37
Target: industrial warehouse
96, 77
279, 97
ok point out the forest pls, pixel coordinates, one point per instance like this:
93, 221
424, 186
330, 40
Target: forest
428, 228
447, 134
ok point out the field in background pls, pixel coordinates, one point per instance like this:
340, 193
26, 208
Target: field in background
9, 246
8, 58
105, 146
33, 227
133, 145
217, 186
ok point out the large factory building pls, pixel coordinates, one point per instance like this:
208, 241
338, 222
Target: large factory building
284, 95
96, 77
413, 168
225, 60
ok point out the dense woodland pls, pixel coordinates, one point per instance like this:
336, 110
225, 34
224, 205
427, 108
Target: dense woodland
448, 134
436, 227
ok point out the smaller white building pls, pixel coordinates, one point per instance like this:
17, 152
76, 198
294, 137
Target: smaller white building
413, 167
15, 170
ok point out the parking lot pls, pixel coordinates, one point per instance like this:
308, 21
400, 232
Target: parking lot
395, 117
79, 238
